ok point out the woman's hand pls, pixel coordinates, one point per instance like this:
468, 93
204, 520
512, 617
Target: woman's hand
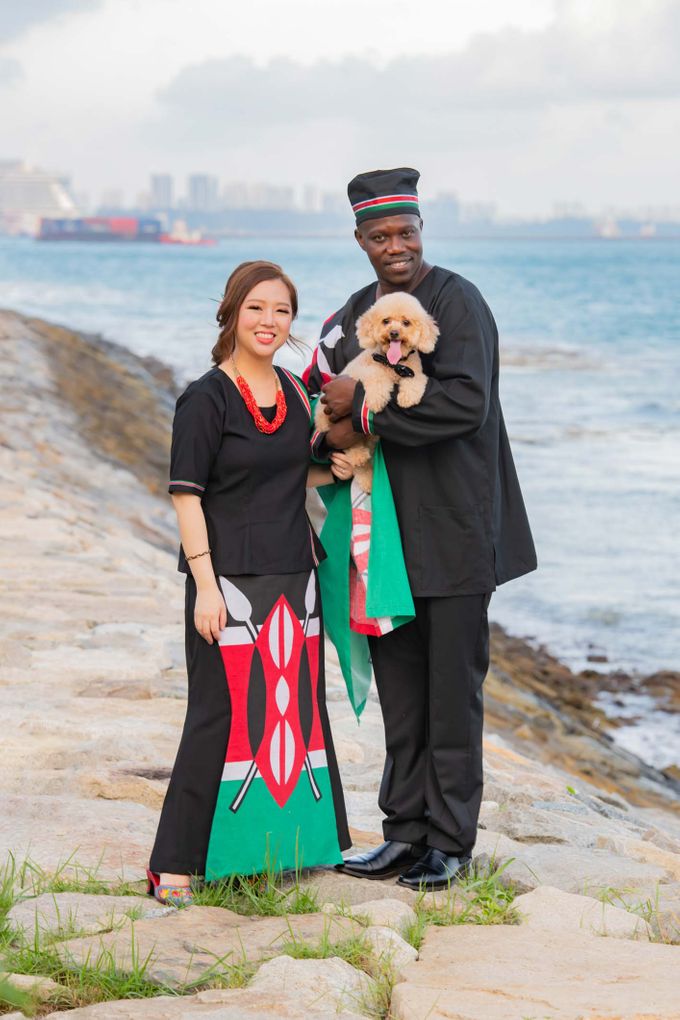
341, 466
210, 613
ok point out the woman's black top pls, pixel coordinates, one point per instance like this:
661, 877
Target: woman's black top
252, 485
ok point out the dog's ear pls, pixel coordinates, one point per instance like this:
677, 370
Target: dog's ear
364, 328
428, 331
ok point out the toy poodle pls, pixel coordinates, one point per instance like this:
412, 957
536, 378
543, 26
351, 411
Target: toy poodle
394, 332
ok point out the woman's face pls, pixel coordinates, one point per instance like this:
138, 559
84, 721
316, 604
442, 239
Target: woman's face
264, 319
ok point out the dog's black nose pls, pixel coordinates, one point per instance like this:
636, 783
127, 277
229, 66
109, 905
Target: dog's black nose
394, 334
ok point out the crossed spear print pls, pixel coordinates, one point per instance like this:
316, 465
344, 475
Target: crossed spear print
241, 611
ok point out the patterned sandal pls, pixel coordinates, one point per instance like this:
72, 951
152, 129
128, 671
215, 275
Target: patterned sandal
168, 895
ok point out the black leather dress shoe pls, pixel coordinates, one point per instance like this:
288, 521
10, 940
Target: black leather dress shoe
384, 861
435, 870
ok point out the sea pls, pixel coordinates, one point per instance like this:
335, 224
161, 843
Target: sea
590, 387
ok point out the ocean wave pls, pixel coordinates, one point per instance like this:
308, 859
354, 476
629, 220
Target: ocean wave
552, 358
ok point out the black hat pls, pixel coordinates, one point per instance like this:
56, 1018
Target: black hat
384, 193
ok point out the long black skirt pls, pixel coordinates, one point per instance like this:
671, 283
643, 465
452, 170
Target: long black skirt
255, 786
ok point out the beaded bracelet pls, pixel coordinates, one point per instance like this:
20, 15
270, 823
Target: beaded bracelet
196, 555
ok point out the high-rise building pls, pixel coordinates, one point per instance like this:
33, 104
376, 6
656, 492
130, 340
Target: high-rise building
112, 198
333, 202
161, 191
235, 195
270, 196
202, 192
311, 198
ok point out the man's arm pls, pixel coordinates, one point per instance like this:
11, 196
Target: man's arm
456, 401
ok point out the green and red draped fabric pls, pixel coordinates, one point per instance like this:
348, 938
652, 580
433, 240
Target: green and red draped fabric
275, 805
364, 584
299, 389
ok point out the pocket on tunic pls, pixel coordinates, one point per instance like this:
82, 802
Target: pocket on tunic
456, 550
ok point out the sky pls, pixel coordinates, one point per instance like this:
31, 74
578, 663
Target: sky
522, 105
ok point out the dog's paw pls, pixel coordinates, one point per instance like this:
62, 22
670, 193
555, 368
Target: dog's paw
322, 421
411, 391
359, 454
364, 477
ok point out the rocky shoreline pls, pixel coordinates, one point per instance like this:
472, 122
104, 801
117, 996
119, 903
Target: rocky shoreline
123, 407
91, 696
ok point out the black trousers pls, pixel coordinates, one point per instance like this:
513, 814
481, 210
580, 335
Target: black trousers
429, 675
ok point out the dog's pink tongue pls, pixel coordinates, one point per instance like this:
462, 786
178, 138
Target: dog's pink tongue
394, 353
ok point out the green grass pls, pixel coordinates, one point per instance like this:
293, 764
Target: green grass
19, 881
96, 980
647, 909
267, 895
11, 998
357, 951
72, 876
480, 898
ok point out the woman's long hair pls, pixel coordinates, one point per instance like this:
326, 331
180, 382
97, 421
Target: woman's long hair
238, 287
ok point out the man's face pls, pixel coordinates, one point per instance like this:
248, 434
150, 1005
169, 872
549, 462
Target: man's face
394, 246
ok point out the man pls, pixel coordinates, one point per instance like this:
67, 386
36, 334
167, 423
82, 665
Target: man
463, 527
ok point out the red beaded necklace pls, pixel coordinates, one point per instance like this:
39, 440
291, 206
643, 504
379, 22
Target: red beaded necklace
261, 422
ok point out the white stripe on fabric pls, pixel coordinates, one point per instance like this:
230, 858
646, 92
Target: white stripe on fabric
332, 337
238, 770
322, 361
242, 636
235, 636
361, 529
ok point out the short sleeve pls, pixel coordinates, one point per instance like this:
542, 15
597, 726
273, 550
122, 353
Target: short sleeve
196, 438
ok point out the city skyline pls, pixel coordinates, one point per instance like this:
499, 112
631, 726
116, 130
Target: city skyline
201, 191
549, 102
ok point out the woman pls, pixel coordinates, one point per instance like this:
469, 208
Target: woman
255, 785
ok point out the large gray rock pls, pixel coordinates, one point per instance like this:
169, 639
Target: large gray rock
553, 910
507, 973
662, 910
571, 868
40, 988
389, 948
112, 839
387, 913
283, 989
644, 851
186, 945
315, 985
337, 889
70, 914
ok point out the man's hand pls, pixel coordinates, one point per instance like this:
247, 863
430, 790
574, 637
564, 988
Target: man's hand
341, 435
337, 396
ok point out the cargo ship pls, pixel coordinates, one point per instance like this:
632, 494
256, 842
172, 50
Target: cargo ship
118, 228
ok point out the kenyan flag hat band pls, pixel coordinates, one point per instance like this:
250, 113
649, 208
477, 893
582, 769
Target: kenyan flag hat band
390, 205
381, 193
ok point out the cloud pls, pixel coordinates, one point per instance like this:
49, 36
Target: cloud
16, 18
568, 62
10, 71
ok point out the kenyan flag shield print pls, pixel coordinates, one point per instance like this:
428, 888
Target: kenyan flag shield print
275, 803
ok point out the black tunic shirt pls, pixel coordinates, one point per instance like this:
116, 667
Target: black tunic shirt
252, 485
461, 514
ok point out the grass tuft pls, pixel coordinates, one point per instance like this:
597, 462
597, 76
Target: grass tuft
96, 980
480, 898
270, 894
357, 951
